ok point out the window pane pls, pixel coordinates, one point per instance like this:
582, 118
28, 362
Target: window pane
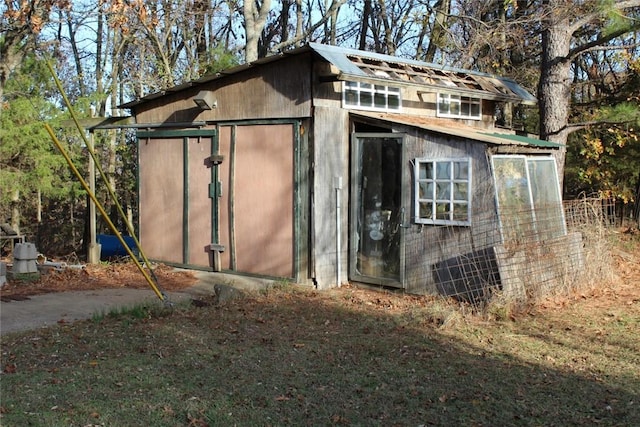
475, 110
454, 108
443, 191
544, 185
460, 212
351, 97
380, 100
461, 170
366, 99
511, 182
443, 105
365, 86
464, 109
426, 190
460, 191
426, 210
514, 204
426, 170
443, 170
546, 197
394, 102
442, 211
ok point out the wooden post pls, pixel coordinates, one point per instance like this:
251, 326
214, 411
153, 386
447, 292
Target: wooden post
93, 250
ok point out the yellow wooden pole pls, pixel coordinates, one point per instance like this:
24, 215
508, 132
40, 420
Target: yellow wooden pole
96, 162
103, 212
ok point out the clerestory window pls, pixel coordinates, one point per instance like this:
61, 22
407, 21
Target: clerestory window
367, 96
459, 107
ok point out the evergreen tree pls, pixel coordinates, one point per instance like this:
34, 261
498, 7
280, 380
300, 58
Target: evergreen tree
30, 166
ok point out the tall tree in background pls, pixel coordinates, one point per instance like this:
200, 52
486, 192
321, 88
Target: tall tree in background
569, 30
30, 167
575, 55
298, 23
439, 29
255, 14
20, 24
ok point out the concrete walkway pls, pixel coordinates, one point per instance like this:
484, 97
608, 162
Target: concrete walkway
53, 309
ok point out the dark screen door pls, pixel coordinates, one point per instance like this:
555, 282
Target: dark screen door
376, 211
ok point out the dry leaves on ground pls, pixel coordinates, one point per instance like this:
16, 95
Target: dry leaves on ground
97, 276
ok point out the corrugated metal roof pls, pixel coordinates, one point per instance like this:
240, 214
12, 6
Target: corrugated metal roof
459, 130
355, 64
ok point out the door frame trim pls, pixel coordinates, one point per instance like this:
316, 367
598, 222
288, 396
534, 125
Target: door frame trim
354, 208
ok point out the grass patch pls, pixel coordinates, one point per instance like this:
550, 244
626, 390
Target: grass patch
134, 312
342, 357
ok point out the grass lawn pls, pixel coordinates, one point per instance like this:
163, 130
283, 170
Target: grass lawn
349, 356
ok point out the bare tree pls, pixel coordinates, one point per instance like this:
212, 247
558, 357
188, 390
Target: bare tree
20, 24
561, 45
255, 17
439, 29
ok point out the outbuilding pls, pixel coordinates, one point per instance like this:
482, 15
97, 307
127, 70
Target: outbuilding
325, 165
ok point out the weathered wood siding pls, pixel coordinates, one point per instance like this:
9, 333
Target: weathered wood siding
331, 154
426, 245
281, 89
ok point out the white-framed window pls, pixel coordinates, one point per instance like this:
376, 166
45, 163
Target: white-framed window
367, 96
459, 107
528, 197
442, 191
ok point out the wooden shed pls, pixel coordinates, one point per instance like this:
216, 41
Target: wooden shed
324, 165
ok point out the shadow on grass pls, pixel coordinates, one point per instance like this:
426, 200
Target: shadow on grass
290, 358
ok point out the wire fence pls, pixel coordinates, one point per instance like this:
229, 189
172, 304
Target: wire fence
528, 254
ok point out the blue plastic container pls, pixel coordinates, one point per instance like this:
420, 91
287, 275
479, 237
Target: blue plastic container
110, 246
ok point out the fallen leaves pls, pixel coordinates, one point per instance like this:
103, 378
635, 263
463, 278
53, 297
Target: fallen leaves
97, 276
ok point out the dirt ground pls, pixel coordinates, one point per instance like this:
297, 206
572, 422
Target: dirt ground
625, 289
96, 276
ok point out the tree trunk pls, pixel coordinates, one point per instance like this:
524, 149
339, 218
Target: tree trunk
15, 211
255, 17
76, 53
554, 88
439, 30
366, 13
387, 46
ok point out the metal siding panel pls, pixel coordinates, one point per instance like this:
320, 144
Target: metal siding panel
330, 155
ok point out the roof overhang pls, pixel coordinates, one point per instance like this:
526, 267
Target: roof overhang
127, 122
461, 131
